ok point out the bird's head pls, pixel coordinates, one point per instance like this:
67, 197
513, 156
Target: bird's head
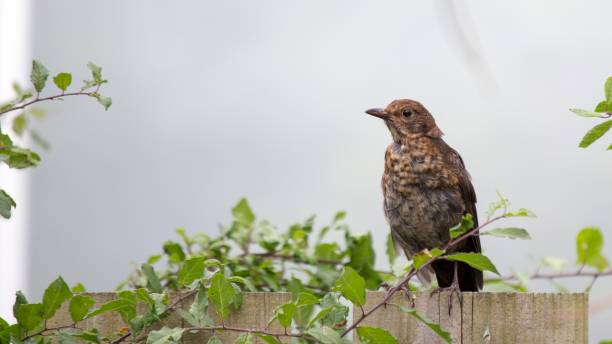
407, 119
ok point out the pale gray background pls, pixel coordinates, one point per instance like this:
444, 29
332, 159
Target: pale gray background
215, 100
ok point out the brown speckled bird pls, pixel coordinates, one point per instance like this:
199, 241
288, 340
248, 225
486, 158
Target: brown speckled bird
427, 190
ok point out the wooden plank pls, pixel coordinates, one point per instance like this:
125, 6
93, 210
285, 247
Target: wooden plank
526, 318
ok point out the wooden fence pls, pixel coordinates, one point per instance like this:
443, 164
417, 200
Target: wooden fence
482, 318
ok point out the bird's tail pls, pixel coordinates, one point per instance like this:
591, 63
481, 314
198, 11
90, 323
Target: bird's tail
470, 279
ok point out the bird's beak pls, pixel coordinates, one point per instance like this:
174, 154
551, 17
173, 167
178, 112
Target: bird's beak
380, 113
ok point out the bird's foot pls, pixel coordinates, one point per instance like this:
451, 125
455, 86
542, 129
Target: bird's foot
452, 289
409, 294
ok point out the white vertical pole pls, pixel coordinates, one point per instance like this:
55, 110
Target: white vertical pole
15, 60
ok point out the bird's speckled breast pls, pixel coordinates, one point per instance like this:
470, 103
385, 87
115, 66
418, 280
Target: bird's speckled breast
421, 198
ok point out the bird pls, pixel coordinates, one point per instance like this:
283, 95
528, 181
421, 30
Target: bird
427, 190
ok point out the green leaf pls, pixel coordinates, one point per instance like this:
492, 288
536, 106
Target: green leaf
602, 106
245, 338
221, 294
351, 285
243, 214
432, 325
324, 312
284, 314
268, 339
522, 212
589, 246
339, 216
29, 315
96, 73
92, 335
508, 232
6, 204
19, 124
326, 335
467, 223
608, 91
214, 340
375, 335
39, 75
124, 304
192, 270
610, 147
198, 311
20, 299
79, 306
165, 336
104, 101
595, 133
63, 81
475, 260
174, 251
425, 256
587, 113
55, 294
390, 249
553, 262
305, 299
78, 288
153, 283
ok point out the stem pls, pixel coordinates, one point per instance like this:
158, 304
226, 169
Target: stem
170, 308
41, 332
37, 100
578, 273
413, 272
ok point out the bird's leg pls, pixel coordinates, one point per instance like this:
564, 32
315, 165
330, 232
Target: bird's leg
453, 288
406, 289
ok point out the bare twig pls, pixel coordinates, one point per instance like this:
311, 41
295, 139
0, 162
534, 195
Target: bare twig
37, 100
551, 276
413, 272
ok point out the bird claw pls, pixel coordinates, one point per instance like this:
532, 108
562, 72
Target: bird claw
409, 294
452, 289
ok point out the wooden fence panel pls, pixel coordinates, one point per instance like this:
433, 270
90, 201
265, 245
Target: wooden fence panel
482, 318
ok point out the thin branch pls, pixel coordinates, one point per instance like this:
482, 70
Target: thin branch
42, 332
413, 272
172, 307
276, 255
550, 276
246, 330
37, 100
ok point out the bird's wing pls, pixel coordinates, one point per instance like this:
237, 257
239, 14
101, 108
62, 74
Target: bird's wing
465, 186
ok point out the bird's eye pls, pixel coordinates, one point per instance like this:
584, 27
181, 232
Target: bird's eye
407, 112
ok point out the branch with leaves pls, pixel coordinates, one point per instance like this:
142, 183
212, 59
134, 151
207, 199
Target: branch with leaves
203, 267
18, 157
602, 110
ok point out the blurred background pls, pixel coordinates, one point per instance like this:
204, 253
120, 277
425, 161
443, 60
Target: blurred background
215, 100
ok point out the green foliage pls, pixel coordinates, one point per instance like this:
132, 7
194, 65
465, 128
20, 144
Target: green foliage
589, 246
6, 204
375, 335
352, 286
192, 270
39, 75
80, 306
165, 336
467, 223
250, 254
475, 260
221, 295
508, 232
602, 110
595, 133
63, 81
445, 335
55, 294
18, 157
